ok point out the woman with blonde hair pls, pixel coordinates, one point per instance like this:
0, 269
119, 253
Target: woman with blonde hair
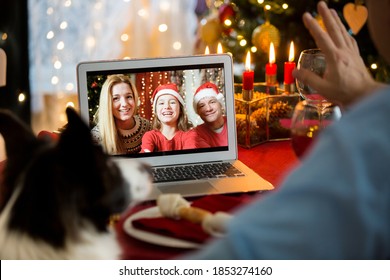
119, 129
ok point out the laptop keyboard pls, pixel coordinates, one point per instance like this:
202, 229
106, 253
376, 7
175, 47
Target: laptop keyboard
195, 172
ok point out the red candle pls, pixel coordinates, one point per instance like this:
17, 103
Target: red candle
249, 75
289, 67
271, 68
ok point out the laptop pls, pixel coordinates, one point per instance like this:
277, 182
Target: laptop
188, 72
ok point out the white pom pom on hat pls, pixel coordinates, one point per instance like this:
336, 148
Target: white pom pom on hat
164, 89
207, 89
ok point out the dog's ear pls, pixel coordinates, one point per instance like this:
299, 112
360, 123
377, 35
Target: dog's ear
17, 135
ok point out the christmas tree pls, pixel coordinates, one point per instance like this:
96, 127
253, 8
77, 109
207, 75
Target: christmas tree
250, 25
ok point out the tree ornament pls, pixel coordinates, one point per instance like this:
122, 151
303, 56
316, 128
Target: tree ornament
210, 30
355, 15
226, 11
320, 22
263, 35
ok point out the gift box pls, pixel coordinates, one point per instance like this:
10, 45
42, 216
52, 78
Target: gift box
263, 114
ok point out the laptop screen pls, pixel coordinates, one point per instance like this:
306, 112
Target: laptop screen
189, 75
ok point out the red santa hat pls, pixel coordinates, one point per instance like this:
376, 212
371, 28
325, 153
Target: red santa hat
208, 89
170, 89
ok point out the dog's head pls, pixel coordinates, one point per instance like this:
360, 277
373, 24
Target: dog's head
61, 185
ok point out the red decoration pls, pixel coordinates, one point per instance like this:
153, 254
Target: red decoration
271, 69
226, 11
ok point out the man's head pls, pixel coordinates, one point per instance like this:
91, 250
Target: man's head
209, 102
378, 23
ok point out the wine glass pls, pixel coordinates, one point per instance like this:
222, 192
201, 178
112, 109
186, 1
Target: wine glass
307, 122
313, 60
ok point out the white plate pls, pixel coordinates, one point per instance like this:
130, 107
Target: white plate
153, 212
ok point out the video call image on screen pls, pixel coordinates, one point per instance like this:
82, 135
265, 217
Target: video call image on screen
188, 80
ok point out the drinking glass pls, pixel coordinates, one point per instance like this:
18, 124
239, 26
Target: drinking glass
307, 122
313, 60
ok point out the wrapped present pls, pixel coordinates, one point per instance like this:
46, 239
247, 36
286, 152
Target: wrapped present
264, 116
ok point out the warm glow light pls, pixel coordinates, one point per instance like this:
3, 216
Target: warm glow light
70, 104
271, 53
176, 45
142, 13
54, 80
227, 22
260, 1
162, 27
60, 45
21, 97
57, 64
374, 66
4, 36
63, 25
50, 35
253, 49
90, 42
291, 53
248, 61
285, 6
69, 86
124, 37
207, 50
267, 7
243, 43
219, 48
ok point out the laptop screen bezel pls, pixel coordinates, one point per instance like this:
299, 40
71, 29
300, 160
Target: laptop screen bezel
148, 64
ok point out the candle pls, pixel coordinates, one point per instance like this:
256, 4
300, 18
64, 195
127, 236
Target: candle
219, 48
271, 67
247, 79
288, 68
207, 50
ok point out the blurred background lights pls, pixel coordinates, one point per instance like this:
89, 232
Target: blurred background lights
124, 37
60, 45
49, 11
177, 45
54, 80
163, 27
21, 97
63, 25
69, 86
50, 35
374, 66
57, 64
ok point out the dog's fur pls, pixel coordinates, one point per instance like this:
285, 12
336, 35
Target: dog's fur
57, 197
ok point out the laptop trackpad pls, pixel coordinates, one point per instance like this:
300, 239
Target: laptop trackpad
189, 189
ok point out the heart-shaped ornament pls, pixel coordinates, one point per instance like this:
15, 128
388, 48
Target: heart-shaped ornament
356, 16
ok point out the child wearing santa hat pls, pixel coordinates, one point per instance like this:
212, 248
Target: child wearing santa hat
209, 104
171, 128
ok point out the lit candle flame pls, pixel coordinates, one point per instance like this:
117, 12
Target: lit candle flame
248, 61
271, 53
207, 50
291, 54
219, 48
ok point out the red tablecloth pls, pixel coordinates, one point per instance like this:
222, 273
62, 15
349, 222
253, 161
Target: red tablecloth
271, 160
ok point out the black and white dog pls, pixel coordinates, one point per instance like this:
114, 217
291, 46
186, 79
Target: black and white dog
56, 198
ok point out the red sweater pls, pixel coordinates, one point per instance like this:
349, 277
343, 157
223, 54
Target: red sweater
155, 141
209, 138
